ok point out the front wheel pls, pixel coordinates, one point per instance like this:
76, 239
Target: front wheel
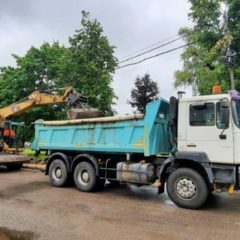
85, 177
187, 188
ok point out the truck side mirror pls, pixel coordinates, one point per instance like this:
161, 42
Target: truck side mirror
224, 116
224, 112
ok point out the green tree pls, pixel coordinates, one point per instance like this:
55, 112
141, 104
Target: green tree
144, 91
203, 61
36, 70
89, 63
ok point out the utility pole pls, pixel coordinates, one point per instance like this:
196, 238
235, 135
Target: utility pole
232, 78
231, 62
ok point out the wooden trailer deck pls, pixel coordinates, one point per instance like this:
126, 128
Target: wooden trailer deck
7, 159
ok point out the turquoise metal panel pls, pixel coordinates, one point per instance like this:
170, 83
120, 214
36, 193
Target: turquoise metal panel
148, 136
156, 128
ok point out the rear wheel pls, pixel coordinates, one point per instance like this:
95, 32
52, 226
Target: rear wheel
187, 188
58, 174
85, 177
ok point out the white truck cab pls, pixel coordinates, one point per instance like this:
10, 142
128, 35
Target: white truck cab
205, 134
200, 129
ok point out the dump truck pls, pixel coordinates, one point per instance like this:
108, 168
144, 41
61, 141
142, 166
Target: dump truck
188, 145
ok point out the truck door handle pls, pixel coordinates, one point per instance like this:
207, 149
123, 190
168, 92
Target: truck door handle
191, 145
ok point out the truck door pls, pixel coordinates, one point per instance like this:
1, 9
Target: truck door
204, 132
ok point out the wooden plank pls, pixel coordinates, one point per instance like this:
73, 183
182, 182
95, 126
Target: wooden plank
37, 166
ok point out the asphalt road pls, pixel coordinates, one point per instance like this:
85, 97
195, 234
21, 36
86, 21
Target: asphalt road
30, 208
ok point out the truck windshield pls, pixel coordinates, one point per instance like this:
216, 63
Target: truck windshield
236, 112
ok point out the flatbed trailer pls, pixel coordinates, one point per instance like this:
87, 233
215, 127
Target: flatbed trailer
13, 161
189, 145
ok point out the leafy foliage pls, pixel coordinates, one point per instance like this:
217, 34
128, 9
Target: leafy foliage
35, 71
214, 30
145, 91
87, 64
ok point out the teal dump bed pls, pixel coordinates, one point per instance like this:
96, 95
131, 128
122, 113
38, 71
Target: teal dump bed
130, 134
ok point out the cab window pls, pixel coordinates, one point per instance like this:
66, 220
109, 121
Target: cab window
202, 114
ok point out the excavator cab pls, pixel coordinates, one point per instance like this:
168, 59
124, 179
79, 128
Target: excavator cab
11, 135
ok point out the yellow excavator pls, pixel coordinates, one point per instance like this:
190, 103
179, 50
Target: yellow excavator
9, 156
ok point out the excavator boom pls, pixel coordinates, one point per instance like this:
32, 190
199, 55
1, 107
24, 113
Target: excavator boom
40, 98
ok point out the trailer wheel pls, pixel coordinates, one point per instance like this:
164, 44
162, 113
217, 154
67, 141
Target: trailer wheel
187, 188
14, 167
58, 174
85, 177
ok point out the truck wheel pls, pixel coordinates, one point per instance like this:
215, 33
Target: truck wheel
14, 167
85, 177
187, 188
58, 174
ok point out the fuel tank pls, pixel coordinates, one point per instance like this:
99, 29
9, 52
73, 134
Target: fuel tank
135, 172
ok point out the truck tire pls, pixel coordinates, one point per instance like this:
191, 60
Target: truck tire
58, 174
14, 167
187, 188
85, 177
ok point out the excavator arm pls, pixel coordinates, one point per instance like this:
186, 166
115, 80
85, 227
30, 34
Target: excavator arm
40, 98
35, 99
79, 109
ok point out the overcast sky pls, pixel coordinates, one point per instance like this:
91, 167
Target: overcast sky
130, 25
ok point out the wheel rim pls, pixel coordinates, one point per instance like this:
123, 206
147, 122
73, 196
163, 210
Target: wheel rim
186, 188
57, 174
84, 177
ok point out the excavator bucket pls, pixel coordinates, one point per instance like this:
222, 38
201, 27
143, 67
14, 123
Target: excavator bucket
76, 99
80, 108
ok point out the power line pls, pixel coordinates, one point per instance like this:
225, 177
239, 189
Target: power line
140, 54
163, 45
152, 45
148, 64
156, 55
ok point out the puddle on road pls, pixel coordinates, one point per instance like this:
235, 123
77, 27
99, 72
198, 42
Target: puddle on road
9, 234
